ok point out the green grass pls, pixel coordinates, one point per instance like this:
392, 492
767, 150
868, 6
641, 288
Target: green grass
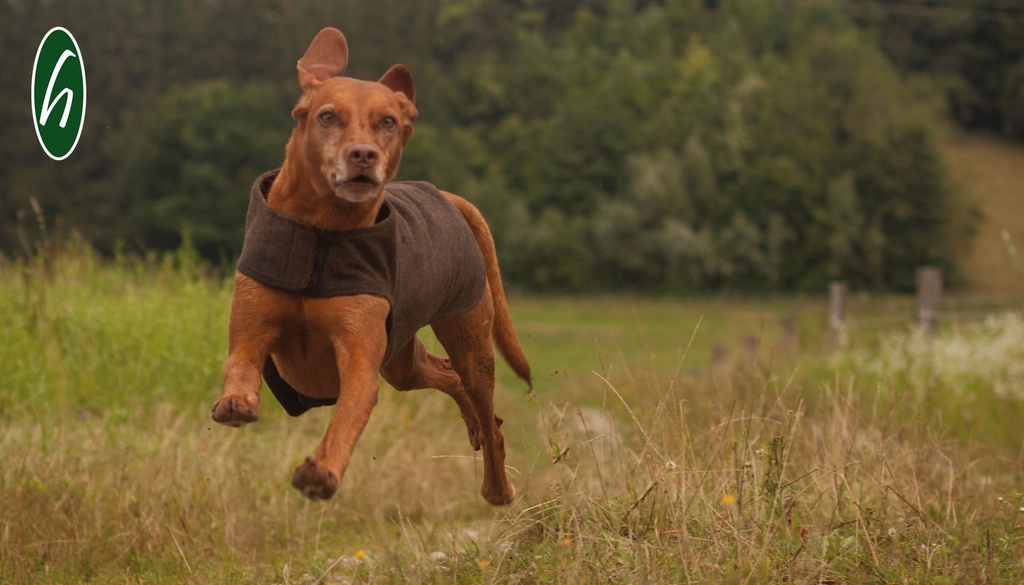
642, 458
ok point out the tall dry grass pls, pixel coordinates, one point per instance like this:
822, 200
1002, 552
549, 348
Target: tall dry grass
803, 469
705, 485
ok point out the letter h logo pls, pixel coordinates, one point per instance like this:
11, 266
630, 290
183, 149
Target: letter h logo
58, 66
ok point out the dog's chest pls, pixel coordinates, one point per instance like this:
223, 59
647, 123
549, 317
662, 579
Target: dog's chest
421, 257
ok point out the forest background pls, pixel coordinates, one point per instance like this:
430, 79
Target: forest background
653, 146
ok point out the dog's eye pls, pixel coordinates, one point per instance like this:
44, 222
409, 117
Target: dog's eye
388, 123
328, 118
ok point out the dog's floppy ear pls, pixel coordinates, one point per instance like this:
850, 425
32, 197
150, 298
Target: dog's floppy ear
326, 57
399, 80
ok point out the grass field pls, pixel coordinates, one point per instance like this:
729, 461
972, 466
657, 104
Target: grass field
669, 441
991, 171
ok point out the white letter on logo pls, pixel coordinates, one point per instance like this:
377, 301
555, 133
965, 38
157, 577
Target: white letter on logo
47, 104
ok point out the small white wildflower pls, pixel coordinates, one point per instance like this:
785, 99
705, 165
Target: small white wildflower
670, 465
891, 532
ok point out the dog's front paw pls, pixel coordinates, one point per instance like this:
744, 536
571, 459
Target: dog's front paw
234, 410
315, 481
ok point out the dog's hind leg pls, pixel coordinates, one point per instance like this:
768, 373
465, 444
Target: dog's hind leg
414, 368
467, 339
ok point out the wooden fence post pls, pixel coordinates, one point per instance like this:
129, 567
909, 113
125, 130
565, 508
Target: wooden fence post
929, 296
787, 335
837, 290
719, 355
750, 344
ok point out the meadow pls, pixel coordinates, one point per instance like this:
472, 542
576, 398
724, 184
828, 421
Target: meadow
667, 441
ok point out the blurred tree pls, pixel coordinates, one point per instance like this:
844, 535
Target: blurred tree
907, 199
551, 252
643, 144
1012, 99
191, 166
967, 50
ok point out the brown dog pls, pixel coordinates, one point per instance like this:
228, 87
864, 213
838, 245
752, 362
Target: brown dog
323, 341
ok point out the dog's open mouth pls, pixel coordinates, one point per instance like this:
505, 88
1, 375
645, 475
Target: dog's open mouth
357, 188
362, 180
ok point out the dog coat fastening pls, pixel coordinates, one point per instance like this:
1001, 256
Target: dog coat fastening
420, 256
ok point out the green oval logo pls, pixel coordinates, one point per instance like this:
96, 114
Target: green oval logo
58, 93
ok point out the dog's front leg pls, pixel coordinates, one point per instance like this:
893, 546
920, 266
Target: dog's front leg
359, 346
252, 330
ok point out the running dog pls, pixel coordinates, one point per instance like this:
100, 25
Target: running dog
341, 267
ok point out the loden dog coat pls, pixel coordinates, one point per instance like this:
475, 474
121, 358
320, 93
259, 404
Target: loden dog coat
420, 256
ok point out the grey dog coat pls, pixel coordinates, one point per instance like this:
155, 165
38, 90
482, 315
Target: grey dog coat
420, 256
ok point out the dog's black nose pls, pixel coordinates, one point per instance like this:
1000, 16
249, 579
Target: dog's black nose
363, 155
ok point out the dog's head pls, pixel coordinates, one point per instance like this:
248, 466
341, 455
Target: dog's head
352, 132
